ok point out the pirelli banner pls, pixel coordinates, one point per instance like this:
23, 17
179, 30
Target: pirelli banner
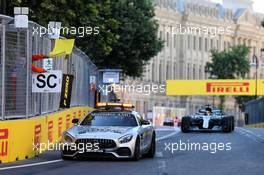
214, 87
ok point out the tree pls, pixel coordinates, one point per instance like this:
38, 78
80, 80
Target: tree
231, 63
128, 32
75, 13
137, 32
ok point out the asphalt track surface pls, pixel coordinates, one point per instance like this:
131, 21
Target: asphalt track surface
240, 153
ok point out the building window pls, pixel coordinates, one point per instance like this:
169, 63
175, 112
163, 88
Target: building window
194, 43
175, 71
206, 44
212, 44
175, 40
254, 49
145, 108
161, 35
167, 71
189, 42
218, 44
153, 71
160, 72
168, 39
200, 72
188, 71
138, 105
194, 73
200, 43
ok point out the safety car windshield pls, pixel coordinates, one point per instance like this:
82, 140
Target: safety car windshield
110, 119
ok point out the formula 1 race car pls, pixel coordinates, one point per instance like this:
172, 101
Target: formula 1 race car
208, 118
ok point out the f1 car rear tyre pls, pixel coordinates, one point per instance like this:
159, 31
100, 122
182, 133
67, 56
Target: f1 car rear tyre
152, 149
228, 124
185, 124
137, 154
233, 123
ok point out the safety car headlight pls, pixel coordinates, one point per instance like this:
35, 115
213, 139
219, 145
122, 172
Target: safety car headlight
125, 139
68, 139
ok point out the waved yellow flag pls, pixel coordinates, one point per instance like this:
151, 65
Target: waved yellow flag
62, 47
214, 87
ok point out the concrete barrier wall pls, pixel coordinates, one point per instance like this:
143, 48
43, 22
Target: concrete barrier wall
18, 137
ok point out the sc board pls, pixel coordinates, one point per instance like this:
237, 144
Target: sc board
49, 82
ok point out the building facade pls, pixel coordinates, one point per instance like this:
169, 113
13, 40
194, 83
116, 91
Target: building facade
190, 29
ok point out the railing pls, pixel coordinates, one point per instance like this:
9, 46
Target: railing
16, 49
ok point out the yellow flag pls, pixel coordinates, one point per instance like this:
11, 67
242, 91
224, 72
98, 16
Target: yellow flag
62, 47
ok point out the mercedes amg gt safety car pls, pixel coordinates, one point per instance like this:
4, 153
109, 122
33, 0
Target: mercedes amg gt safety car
208, 118
112, 130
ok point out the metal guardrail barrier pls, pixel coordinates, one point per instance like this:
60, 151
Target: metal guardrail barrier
17, 47
254, 112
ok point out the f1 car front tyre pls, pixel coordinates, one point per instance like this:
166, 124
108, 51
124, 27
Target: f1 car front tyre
152, 149
228, 124
185, 124
233, 123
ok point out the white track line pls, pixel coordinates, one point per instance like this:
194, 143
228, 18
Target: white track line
251, 135
167, 136
166, 129
60, 160
29, 165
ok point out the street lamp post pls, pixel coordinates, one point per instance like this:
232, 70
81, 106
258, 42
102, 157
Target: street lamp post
214, 77
255, 60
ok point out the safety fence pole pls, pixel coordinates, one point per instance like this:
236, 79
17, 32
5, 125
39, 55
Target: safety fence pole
3, 70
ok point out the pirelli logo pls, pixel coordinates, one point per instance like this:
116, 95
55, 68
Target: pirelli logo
214, 87
228, 87
68, 121
37, 135
59, 127
50, 131
3, 142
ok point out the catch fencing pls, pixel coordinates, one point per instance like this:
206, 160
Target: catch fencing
254, 112
16, 49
